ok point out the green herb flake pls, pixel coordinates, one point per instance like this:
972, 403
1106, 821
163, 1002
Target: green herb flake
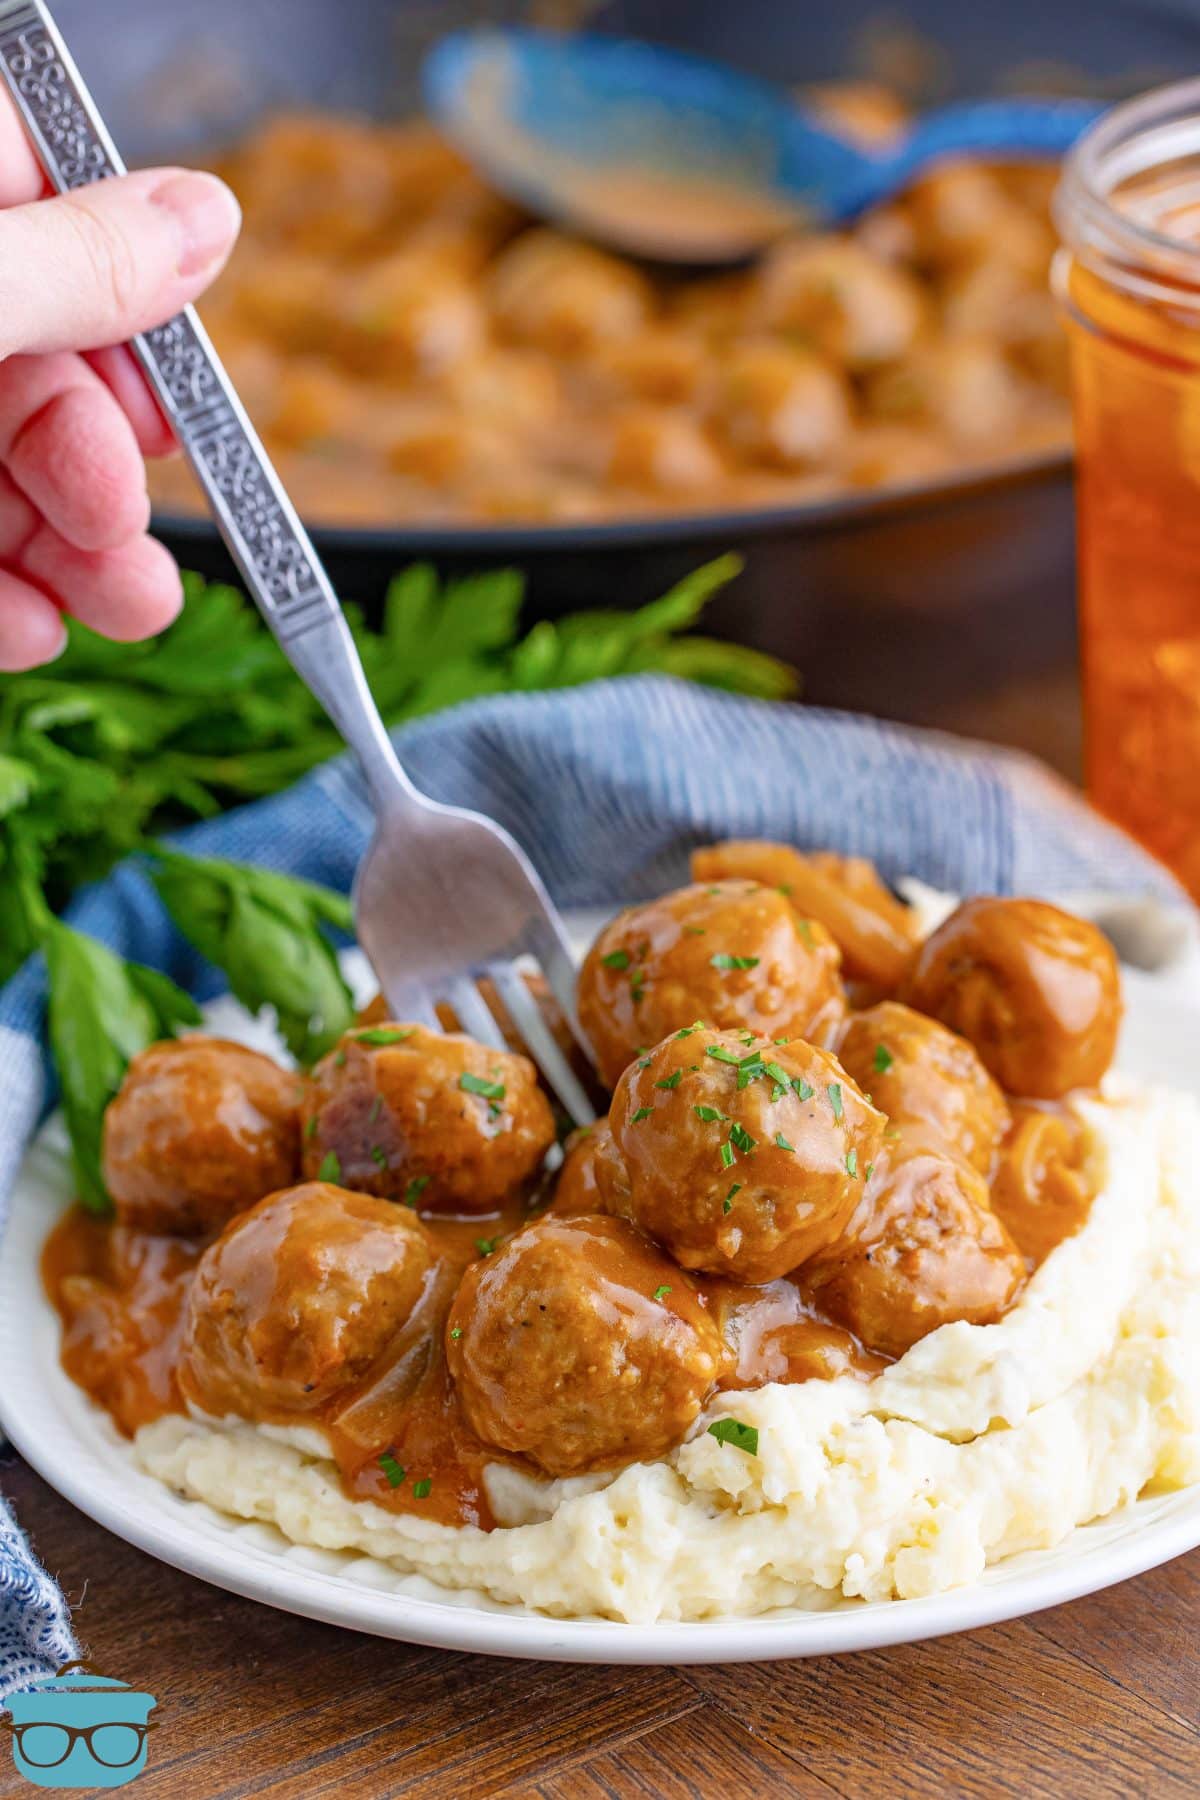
778, 1074
689, 1030
719, 1053
391, 1468
727, 1156
421, 1488
414, 1188
801, 1088
782, 1041
379, 1156
727, 1202
379, 1035
783, 1144
741, 1137
643, 1112
711, 1115
722, 959
834, 1090
893, 1133
883, 1059
733, 1432
670, 1081
747, 1037
312, 1128
784, 888
870, 1170
456, 1332
694, 931
637, 986
331, 1167
616, 959
476, 1084
660, 1293
804, 932
852, 1162
485, 1246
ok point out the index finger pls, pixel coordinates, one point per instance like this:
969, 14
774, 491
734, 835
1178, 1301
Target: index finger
21, 177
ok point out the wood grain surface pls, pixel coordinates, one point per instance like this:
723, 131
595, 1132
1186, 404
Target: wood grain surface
1095, 1700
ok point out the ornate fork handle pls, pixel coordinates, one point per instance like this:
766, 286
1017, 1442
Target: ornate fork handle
257, 520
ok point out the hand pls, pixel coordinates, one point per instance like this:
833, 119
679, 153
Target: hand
78, 276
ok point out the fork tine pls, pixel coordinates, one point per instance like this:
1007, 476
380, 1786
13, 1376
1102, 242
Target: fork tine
412, 1004
531, 1025
558, 967
474, 1015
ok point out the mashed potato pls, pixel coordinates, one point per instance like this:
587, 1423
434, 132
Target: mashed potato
981, 1441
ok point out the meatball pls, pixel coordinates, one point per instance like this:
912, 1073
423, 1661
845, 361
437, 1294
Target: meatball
1045, 1180
298, 1298
200, 1130
578, 1188
782, 406
410, 1114
1035, 990
923, 1249
565, 296
916, 1069
873, 930
731, 953
741, 1156
662, 450
578, 1345
851, 305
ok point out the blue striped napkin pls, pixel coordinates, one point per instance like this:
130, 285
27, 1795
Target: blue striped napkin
607, 787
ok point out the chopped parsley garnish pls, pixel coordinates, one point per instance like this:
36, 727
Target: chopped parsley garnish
385, 1034
643, 1112
778, 1074
782, 1040
687, 1030
312, 1128
670, 1081
741, 1137
456, 1331
661, 1292
801, 1088
727, 1156
391, 1468
644, 1062
724, 960
637, 986
379, 1156
421, 1488
732, 1431
727, 1203
713, 890
892, 1132
694, 931
783, 1143
852, 1162
883, 1059
414, 1189
616, 959
785, 888
376, 1109
870, 1170
834, 1090
747, 1037
485, 1246
711, 1115
476, 1084
331, 1167
804, 932
719, 1053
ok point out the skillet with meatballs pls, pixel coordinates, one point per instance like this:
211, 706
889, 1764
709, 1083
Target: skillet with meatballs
826, 1137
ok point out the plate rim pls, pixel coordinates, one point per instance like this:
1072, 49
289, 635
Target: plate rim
37, 1408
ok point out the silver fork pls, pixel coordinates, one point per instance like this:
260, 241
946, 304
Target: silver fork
443, 895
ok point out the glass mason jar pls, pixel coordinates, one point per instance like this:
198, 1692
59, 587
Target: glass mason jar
1128, 279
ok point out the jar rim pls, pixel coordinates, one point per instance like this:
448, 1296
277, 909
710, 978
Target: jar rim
1130, 139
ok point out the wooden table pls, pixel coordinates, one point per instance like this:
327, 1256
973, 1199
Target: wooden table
1097, 1699
1093, 1700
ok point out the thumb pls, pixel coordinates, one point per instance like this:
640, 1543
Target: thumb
92, 267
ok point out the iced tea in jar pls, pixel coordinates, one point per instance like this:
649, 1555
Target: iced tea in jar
1128, 211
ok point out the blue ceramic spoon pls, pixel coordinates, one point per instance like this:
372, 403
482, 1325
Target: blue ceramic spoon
685, 160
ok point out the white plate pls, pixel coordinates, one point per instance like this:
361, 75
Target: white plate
73, 1445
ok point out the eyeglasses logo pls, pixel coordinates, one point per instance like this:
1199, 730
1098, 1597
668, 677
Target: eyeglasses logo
79, 1729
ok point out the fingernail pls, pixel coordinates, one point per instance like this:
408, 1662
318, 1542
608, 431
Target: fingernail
207, 217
